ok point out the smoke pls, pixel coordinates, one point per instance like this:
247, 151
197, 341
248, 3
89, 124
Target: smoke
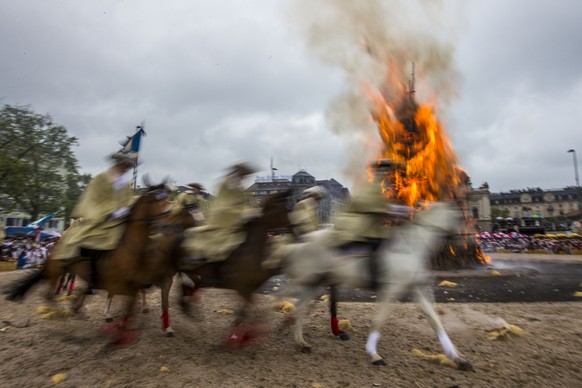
374, 43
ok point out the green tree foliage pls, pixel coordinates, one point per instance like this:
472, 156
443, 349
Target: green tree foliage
38, 169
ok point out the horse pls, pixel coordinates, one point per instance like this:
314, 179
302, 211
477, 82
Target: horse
164, 257
402, 267
162, 260
242, 270
121, 271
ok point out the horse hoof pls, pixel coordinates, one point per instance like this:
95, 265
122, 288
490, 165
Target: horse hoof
109, 319
379, 362
169, 333
145, 310
186, 308
465, 366
343, 336
306, 349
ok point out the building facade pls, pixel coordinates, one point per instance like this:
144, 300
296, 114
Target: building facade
523, 204
298, 183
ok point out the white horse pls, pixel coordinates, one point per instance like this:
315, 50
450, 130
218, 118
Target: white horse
402, 266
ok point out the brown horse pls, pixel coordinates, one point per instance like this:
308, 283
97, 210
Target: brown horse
161, 261
120, 271
163, 257
242, 271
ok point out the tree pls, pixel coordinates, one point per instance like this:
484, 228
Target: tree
38, 169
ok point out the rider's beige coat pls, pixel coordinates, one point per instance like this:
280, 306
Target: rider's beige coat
223, 230
362, 219
304, 216
94, 228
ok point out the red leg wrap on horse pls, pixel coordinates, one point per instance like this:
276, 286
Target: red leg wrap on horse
71, 286
335, 326
165, 319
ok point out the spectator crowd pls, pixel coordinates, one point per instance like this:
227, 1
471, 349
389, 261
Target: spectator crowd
26, 252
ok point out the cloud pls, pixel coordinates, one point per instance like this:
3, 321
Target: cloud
218, 82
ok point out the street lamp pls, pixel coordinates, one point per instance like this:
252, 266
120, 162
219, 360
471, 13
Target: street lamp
576, 175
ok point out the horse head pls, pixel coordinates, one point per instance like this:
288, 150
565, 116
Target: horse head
151, 204
276, 209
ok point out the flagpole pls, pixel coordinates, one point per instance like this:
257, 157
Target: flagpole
135, 164
131, 147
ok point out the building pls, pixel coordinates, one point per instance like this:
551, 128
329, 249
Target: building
521, 205
297, 183
479, 206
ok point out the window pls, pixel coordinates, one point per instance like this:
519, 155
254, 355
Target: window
475, 212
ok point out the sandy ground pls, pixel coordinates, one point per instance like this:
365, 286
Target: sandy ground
549, 354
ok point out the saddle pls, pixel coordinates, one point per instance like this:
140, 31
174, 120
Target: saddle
204, 244
367, 250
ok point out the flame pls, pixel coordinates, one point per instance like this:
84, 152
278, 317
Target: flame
414, 139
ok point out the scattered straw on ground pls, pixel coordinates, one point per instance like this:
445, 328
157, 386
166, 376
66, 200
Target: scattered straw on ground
59, 378
440, 359
505, 332
446, 283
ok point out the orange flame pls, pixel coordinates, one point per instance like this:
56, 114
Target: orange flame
414, 139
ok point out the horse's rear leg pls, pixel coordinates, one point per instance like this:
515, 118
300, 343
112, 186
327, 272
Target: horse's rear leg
71, 281
165, 291
388, 295
307, 295
108, 316
333, 313
423, 300
190, 293
144, 303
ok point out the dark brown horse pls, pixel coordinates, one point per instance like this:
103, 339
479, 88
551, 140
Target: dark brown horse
242, 271
120, 271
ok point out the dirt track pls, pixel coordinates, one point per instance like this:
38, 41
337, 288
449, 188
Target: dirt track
548, 355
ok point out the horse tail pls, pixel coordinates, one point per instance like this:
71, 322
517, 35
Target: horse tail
18, 289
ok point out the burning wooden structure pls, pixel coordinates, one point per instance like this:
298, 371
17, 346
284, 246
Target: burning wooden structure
427, 167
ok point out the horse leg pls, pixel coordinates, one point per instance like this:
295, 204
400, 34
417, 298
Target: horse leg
123, 334
71, 284
108, 316
306, 296
144, 303
165, 289
333, 313
82, 269
189, 294
388, 294
60, 285
422, 299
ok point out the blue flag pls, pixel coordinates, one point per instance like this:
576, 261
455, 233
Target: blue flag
132, 144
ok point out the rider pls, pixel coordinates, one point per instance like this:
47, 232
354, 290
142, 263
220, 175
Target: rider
229, 211
304, 216
231, 207
100, 215
361, 224
193, 200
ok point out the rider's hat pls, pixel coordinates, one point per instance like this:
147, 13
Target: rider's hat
119, 158
315, 191
242, 168
196, 185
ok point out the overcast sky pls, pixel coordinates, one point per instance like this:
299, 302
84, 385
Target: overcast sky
221, 81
